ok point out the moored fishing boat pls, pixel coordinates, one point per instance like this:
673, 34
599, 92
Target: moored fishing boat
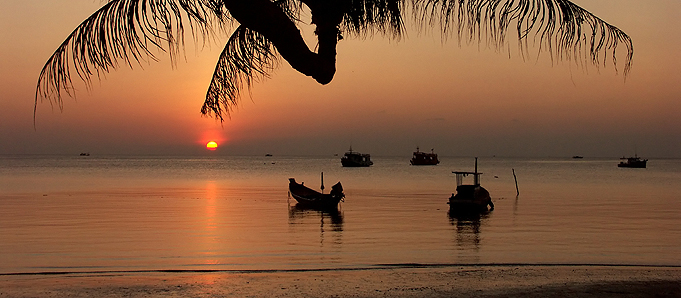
424, 159
311, 198
632, 162
356, 159
469, 197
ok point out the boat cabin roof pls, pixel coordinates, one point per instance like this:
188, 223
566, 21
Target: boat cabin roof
466, 173
461, 175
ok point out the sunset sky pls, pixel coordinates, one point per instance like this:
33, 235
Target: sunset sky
387, 97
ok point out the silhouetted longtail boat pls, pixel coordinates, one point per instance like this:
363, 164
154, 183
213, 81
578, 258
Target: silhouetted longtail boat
469, 198
311, 198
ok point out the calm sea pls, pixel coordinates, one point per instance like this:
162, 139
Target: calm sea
82, 214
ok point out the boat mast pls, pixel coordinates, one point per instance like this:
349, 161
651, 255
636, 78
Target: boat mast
476, 181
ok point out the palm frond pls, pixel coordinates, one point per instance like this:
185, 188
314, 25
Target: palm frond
363, 17
559, 27
247, 57
127, 31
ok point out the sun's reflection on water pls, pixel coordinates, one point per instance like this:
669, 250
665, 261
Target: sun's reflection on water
210, 226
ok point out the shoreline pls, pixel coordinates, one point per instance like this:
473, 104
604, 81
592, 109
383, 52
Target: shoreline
339, 269
385, 281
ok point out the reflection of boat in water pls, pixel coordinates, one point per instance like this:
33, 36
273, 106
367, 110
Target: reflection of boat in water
469, 197
466, 219
467, 223
299, 211
328, 221
356, 159
313, 199
468, 229
632, 162
424, 159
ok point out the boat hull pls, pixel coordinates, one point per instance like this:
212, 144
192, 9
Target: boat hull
355, 164
424, 162
470, 199
637, 165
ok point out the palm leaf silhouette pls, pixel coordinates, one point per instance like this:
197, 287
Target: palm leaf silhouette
247, 56
560, 27
128, 30
123, 30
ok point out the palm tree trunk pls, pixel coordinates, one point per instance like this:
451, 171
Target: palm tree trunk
269, 20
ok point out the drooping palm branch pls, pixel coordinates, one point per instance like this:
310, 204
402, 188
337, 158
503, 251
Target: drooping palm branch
127, 30
124, 30
248, 56
363, 17
559, 27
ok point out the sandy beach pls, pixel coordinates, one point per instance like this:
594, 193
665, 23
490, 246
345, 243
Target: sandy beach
397, 281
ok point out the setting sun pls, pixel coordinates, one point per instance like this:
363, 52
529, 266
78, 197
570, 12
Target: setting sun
212, 145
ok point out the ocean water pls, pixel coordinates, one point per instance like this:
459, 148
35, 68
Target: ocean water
113, 213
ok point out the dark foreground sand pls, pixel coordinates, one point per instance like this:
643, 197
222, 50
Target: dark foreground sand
397, 281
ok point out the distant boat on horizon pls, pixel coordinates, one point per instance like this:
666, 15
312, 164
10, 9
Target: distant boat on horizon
424, 159
356, 159
85, 154
577, 157
632, 162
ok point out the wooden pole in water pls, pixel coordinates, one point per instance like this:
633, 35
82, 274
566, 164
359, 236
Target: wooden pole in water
517, 192
322, 182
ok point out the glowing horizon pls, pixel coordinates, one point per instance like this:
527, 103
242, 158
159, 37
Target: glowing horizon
387, 97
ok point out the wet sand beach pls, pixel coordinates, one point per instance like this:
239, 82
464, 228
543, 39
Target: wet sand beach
389, 281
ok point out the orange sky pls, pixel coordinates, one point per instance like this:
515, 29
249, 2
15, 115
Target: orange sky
387, 97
